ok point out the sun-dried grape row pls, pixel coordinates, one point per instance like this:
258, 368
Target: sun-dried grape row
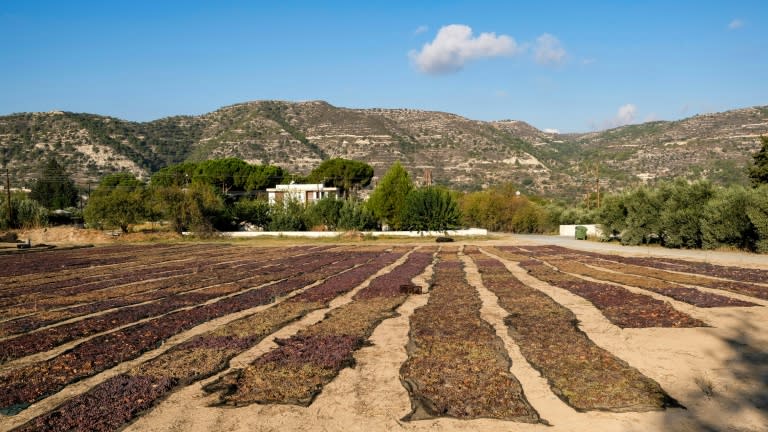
48, 338
195, 359
456, 365
670, 289
24, 267
196, 277
678, 265
300, 367
621, 306
144, 265
581, 373
35, 381
744, 288
105, 407
20, 265
60, 292
678, 271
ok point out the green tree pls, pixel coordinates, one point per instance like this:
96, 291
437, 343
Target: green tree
118, 201
179, 175
261, 177
54, 189
253, 211
288, 217
758, 216
529, 218
486, 209
345, 174
643, 207
758, 172
430, 209
612, 216
193, 208
502, 209
324, 212
353, 215
725, 220
387, 200
681, 212
225, 174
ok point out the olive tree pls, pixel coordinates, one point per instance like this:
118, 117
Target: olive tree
118, 201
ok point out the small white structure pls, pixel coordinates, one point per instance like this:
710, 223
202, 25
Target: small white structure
570, 230
304, 193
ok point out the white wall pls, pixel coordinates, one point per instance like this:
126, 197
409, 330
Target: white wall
471, 232
570, 230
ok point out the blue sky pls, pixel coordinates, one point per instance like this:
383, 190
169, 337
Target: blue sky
571, 66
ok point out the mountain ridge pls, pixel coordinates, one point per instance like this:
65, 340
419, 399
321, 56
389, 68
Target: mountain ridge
459, 152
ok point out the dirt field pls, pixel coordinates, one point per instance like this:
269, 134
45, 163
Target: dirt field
510, 333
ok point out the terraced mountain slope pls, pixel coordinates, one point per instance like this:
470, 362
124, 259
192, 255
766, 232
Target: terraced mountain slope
459, 152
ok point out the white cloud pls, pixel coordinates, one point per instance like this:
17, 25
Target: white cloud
624, 116
551, 131
735, 24
455, 45
548, 50
421, 29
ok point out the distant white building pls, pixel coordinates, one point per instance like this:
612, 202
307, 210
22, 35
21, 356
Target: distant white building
304, 193
570, 230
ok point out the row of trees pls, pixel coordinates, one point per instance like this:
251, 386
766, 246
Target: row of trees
54, 190
220, 194
195, 196
678, 214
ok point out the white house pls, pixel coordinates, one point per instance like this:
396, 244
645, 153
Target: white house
304, 193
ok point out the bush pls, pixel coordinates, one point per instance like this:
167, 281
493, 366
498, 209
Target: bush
501, 209
353, 215
253, 211
325, 212
194, 208
430, 209
287, 217
27, 213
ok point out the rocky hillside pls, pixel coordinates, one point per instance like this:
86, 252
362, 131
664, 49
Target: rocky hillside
459, 152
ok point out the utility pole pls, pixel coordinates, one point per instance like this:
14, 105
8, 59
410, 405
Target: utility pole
8, 193
597, 177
